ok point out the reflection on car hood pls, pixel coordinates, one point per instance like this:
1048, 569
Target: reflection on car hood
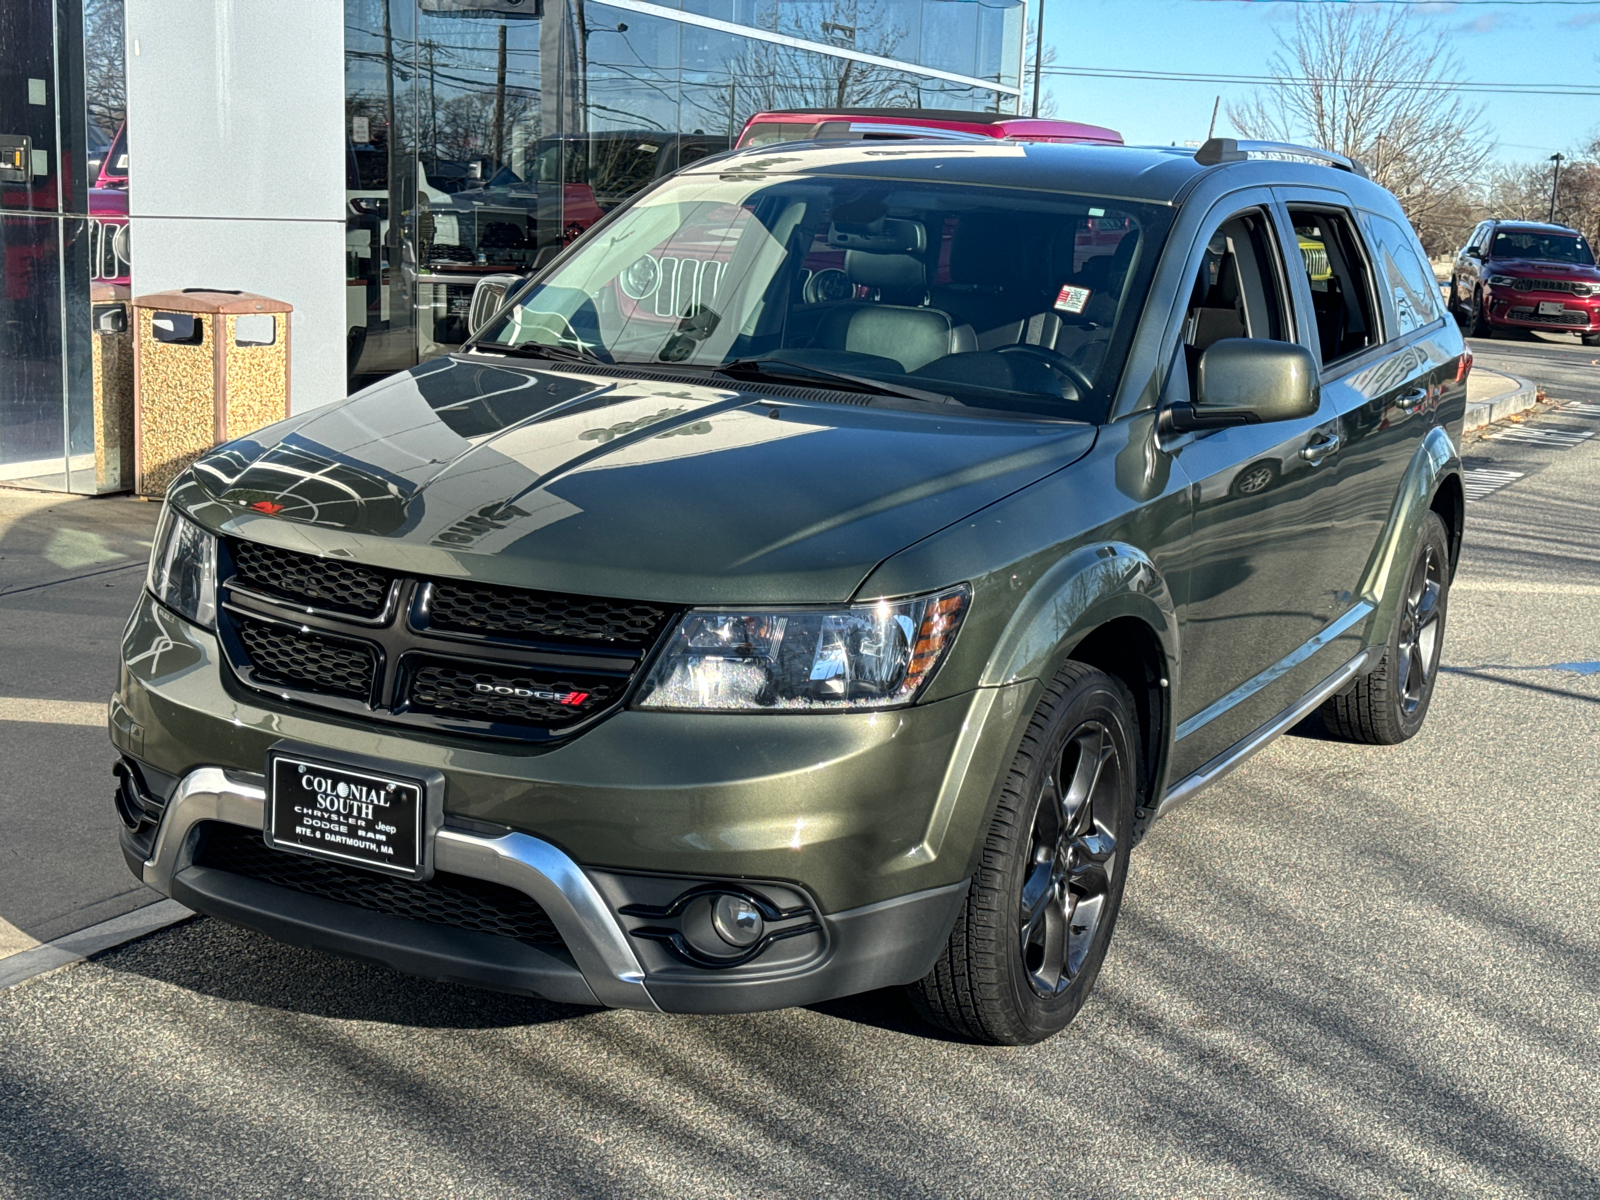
572, 481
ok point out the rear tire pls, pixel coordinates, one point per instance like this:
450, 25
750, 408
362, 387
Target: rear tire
1028, 944
1389, 705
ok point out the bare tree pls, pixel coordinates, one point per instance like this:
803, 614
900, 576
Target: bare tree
1521, 191
1369, 84
1047, 97
105, 83
771, 76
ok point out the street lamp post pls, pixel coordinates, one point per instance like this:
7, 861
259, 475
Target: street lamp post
1038, 56
1555, 183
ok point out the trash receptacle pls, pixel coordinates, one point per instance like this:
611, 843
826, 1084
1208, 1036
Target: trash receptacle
113, 387
209, 366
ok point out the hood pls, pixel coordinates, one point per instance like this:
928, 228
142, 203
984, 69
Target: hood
568, 480
1529, 268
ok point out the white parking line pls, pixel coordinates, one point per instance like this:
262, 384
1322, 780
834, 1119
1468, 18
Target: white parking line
1555, 438
75, 947
54, 712
1480, 481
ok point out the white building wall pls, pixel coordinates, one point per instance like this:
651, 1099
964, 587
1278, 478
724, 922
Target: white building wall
237, 149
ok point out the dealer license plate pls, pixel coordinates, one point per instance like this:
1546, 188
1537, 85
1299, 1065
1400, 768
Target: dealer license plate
337, 812
1551, 308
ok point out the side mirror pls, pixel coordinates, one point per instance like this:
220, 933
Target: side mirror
1244, 381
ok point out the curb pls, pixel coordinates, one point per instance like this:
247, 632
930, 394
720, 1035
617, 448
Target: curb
75, 947
1523, 395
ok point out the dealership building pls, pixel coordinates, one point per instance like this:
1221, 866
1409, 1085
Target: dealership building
376, 164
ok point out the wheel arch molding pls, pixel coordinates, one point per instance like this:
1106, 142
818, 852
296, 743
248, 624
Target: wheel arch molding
1432, 479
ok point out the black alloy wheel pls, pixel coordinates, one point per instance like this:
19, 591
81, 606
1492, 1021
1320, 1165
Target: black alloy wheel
1388, 705
1478, 317
1068, 884
1421, 629
1028, 943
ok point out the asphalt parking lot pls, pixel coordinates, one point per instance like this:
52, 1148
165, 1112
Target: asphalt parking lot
1344, 972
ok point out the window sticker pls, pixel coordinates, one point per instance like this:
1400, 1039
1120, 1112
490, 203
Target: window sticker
1072, 298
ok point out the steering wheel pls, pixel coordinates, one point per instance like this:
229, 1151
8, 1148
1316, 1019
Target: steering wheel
1055, 361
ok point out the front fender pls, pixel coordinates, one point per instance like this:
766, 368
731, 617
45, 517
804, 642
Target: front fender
1092, 585
1434, 460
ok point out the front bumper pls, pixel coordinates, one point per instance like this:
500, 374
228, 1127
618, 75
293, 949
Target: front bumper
597, 963
870, 822
1520, 310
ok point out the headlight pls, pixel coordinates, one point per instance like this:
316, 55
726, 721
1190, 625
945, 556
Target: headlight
183, 568
866, 656
1501, 280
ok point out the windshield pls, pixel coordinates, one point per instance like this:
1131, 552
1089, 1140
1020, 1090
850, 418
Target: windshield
1545, 247
1023, 301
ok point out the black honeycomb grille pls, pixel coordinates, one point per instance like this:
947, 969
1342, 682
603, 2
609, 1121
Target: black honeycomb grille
481, 608
454, 900
323, 582
502, 696
280, 655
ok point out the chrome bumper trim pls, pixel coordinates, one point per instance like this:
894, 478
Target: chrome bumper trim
517, 860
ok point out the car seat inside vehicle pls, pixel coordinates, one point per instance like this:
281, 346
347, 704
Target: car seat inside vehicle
1236, 292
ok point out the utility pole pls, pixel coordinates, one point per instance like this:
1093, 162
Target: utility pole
1555, 184
500, 106
1038, 56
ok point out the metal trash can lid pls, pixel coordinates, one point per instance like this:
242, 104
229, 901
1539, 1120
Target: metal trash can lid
210, 300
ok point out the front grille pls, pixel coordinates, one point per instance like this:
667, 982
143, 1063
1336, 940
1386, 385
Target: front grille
323, 582
1568, 317
480, 608
281, 655
1553, 285
460, 658
454, 900
520, 697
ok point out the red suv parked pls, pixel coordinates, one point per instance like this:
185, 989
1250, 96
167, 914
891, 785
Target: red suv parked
1527, 275
865, 124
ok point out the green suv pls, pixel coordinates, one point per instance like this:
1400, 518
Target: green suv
815, 580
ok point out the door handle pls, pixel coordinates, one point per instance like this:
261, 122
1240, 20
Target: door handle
1318, 450
1413, 400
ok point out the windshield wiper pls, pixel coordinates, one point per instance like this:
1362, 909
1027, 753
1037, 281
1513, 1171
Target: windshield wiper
757, 368
544, 350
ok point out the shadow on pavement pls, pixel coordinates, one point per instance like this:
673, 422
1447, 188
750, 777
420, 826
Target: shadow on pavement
237, 965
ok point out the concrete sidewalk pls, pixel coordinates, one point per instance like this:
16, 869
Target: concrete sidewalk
1493, 396
70, 569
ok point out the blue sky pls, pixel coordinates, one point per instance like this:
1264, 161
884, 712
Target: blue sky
1500, 43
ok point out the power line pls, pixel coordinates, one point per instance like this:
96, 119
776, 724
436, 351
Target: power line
1410, 85
1431, 3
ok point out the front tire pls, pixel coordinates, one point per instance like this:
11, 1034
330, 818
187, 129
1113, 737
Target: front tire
1389, 705
1028, 944
1591, 339
1477, 318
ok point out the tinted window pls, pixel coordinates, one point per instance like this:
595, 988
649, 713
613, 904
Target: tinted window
1412, 290
1341, 296
1542, 247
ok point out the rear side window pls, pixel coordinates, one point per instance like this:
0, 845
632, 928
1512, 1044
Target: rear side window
1341, 296
1413, 294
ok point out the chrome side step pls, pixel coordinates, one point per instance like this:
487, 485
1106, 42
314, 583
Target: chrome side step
1194, 783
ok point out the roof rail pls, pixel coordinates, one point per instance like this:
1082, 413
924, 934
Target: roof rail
1220, 150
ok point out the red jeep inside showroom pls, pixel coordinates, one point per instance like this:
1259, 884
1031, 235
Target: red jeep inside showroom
1527, 275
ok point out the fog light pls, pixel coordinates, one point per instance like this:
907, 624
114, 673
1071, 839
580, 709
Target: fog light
737, 921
